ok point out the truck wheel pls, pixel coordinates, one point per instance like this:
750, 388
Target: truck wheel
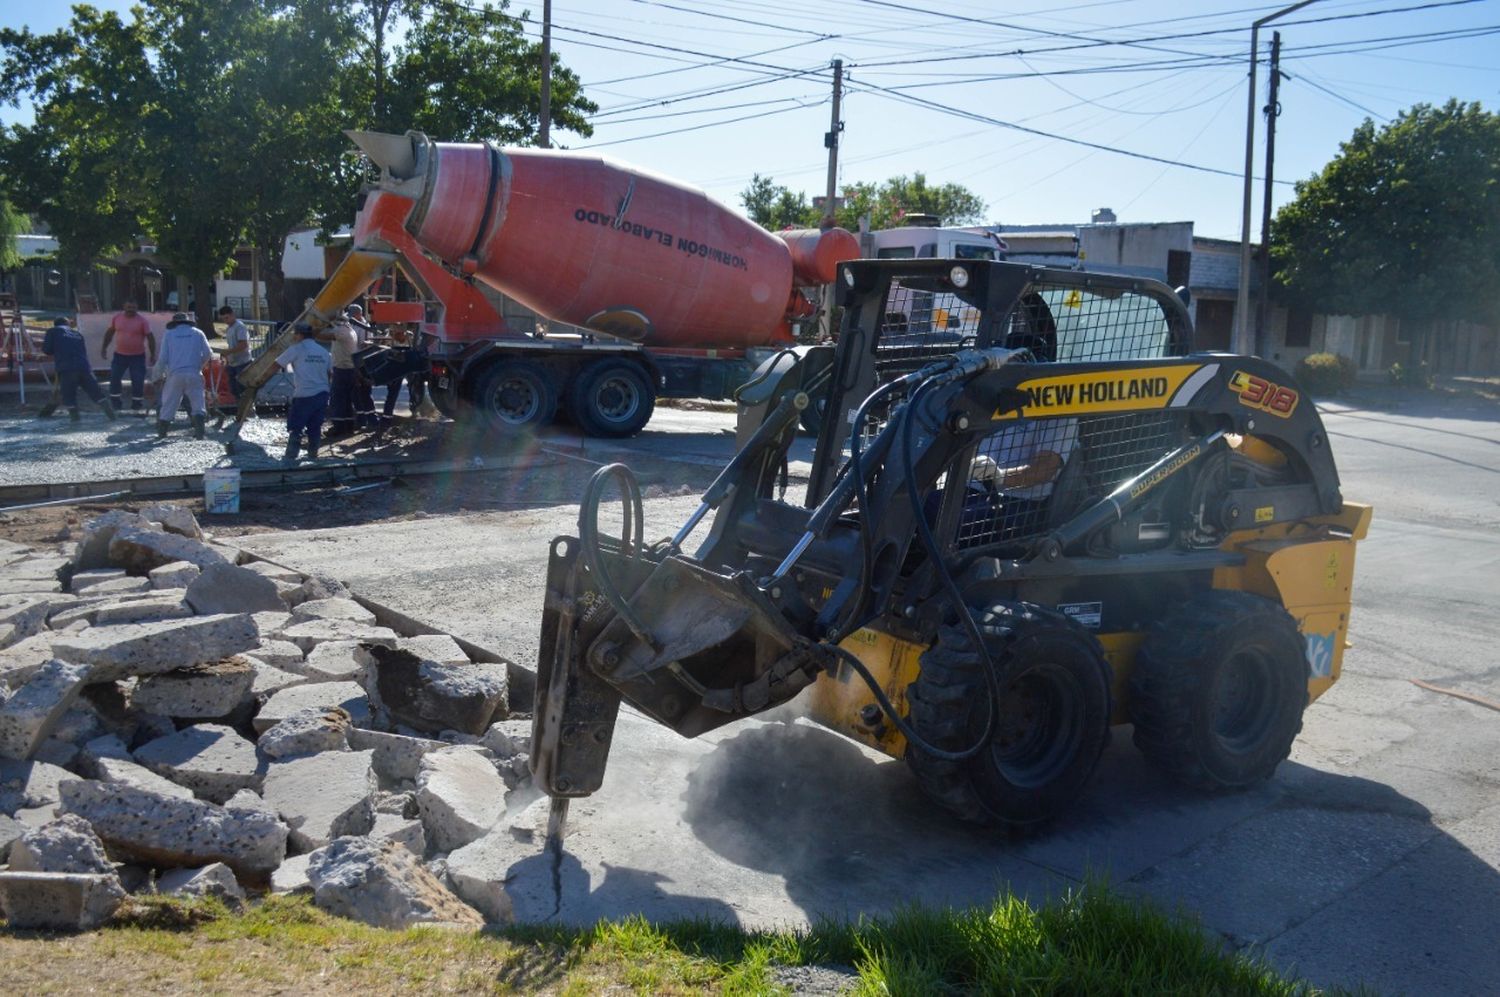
1218, 690
612, 398
517, 395
1051, 722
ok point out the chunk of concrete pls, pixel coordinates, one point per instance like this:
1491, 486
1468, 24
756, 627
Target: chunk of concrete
200, 692
99, 748
8, 635
333, 609
333, 661
228, 588
397, 756
248, 799
162, 605
508, 738
29, 586
59, 901
383, 885
10, 832
322, 797
291, 594
174, 519
434, 647
459, 795
33, 712
404, 831
478, 870
269, 679
67, 844
166, 831
431, 697
215, 880
310, 633
307, 732
92, 551
22, 660
148, 648
26, 615
275, 572
129, 773
398, 804
83, 580
321, 695
282, 654
177, 575
10, 551
123, 585
25, 785
271, 624
292, 876
211, 760
138, 550
325, 587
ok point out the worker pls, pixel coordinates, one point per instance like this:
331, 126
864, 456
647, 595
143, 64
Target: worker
70, 361
236, 348
184, 354
343, 341
135, 349
403, 338
364, 398
311, 367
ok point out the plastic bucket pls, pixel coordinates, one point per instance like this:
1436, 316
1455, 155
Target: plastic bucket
221, 490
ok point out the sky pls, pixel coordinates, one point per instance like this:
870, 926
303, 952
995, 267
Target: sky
1014, 100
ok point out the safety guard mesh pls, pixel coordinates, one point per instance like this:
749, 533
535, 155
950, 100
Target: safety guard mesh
1034, 474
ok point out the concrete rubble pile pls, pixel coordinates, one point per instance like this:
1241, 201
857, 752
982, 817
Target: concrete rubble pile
177, 717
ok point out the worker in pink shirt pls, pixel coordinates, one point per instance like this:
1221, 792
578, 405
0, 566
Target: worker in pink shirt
131, 355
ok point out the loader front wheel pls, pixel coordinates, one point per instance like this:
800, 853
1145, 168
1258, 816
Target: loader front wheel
1218, 690
1050, 726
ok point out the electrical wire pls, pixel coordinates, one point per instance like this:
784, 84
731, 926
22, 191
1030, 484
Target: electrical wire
698, 127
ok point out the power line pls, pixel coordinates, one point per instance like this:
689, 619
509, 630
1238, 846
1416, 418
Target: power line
800, 101
1304, 78
698, 127
641, 105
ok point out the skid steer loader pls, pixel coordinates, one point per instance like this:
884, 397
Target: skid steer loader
1010, 540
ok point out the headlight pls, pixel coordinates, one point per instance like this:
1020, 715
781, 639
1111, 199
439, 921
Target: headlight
959, 276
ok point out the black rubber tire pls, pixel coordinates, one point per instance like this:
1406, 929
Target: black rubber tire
1043, 660
516, 395
612, 399
1218, 690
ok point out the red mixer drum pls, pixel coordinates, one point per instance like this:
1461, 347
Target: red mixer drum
590, 241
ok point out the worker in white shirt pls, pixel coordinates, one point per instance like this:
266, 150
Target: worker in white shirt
310, 365
179, 369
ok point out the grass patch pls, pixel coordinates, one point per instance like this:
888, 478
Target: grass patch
1091, 941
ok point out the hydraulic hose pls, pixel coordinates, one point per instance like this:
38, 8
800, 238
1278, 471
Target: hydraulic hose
631, 541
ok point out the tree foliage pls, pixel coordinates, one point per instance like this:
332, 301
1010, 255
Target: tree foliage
12, 224
1405, 220
775, 206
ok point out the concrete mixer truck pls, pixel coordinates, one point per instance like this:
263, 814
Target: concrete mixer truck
672, 294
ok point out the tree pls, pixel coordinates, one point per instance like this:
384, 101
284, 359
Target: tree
774, 206
1405, 221
12, 224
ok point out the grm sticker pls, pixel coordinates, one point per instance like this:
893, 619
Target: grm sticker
1085, 614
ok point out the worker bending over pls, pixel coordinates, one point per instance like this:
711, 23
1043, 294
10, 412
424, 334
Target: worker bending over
184, 354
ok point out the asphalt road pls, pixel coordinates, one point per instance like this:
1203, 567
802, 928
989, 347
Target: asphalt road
1373, 856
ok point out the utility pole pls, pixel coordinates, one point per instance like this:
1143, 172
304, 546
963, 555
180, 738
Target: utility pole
1273, 109
1242, 336
544, 129
830, 204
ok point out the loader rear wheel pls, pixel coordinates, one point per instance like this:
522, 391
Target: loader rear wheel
1218, 690
517, 395
612, 399
1051, 722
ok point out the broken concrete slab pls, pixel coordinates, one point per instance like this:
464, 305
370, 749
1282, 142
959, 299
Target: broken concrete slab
310, 633
404, 831
148, 648
123, 585
32, 713
83, 580
323, 797
508, 738
401, 804
11, 551
269, 680
478, 870
25, 785
291, 594
292, 876
201, 692
325, 587
333, 609
210, 759
177, 575
159, 605
174, 519
92, 551
10, 832
99, 748
459, 795
138, 550
58, 901
307, 732
215, 880
270, 625
398, 758
67, 844
228, 588
275, 572
431, 697
21, 660
333, 661
383, 885
434, 647
129, 773
55, 751
320, 695
282, 654
28, 586
27, 615
167, 831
